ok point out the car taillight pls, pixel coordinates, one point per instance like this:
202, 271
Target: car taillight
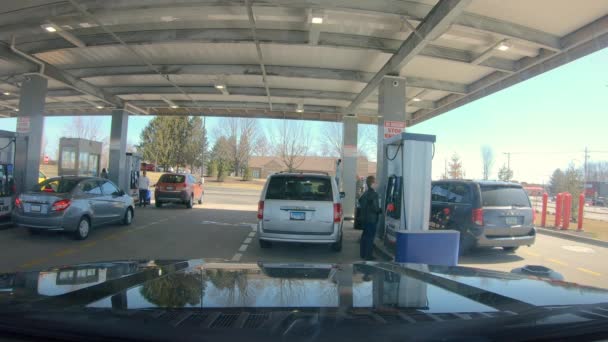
337, 212
260, 210
478, 217
18, 202
61, 205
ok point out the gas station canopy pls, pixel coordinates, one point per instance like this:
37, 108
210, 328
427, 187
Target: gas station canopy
298, 59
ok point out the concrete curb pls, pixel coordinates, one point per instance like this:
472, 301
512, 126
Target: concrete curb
572, 237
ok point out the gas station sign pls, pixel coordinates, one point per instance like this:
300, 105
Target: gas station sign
392, 128
23, 124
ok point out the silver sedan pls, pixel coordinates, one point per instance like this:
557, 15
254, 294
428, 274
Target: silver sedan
72, 204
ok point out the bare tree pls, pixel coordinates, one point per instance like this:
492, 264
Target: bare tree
261, 147
487, 157
455, 170
332, 134
291, 141
84, 128
242, 135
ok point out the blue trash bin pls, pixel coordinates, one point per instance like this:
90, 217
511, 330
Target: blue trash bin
433, 247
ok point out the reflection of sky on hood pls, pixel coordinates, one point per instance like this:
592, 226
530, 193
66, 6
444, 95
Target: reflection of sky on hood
535, 292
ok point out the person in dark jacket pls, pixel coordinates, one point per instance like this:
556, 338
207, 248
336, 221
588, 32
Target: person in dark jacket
104, 173
369, 204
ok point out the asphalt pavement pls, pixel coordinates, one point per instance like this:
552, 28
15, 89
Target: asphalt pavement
224, 227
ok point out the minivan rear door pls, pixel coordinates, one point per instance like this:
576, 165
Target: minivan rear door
300, 205
506, 210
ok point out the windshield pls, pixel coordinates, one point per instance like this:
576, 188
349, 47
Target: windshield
299, 188
381, 159
504, 196
56, 185
172, 179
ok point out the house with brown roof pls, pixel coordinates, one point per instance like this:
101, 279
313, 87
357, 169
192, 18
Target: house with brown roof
262, 167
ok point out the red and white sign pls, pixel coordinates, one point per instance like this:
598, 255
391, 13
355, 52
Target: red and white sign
46, 159
392, 128
23, 124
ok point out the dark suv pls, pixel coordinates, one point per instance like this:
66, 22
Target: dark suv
487, 213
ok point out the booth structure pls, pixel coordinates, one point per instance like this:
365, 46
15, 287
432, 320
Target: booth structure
79, 157
407, 203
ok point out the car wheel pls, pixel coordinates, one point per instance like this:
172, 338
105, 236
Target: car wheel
200, 200
510, 249
337, 246
83, 229
158, 204
190, 202
466, 243
128, 218
265, 244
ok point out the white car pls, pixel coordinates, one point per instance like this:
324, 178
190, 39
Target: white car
300, 207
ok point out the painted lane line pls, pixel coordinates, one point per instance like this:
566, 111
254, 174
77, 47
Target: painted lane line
243, 248
237, 257
555, 261
247, 240
588, 271
252, 234
64, 252
532, 254
33, 262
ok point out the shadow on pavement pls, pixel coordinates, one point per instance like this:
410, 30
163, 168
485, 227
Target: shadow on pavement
489, 256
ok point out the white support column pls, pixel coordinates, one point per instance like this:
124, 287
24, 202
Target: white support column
391, 107
349, 165
30, 128
118, 148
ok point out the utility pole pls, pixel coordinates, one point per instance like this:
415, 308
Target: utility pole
585, 167
508, 160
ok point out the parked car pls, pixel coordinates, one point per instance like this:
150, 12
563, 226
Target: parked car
486, 213
72, 204
147, 167
599, 202
178, 188
300, 207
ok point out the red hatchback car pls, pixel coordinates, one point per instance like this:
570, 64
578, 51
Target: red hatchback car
178, 188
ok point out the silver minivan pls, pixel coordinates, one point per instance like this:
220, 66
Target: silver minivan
72, 204
300, 207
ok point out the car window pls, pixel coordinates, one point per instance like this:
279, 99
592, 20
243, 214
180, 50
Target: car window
501, 196
58, 185
172, 179
440, 192
299, 188
459, 193
109, 188
91, 187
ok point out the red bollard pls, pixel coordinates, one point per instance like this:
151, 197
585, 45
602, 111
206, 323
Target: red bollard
543, 217
558, 210
581, 209
567, 211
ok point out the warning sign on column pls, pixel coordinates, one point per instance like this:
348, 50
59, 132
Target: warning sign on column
392, 128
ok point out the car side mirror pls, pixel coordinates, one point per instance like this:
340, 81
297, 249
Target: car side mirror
342, 194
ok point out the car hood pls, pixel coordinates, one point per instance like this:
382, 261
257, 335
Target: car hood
205, 284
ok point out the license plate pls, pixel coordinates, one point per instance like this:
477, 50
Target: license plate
169, 188
297, 215
35, 208
511, 220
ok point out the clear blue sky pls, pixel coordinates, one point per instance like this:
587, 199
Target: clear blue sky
545, 122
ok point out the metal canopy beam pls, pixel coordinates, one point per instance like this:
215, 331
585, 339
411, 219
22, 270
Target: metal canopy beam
582, 42
64, 77
438, 18
271, 70
26, 21
264, 36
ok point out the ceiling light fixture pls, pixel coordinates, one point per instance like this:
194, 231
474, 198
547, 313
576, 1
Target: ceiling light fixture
503, 46
174, 106
317, 20
6, 93
300, 108
220, 86
99, 107
415, 99
49, 28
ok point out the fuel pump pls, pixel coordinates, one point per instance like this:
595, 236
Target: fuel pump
407, 203
133, 170
7, 181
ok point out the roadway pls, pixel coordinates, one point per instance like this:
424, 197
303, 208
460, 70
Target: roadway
223, 227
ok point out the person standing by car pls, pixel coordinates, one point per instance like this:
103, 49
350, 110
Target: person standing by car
104, 173
369, 204
143, 185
